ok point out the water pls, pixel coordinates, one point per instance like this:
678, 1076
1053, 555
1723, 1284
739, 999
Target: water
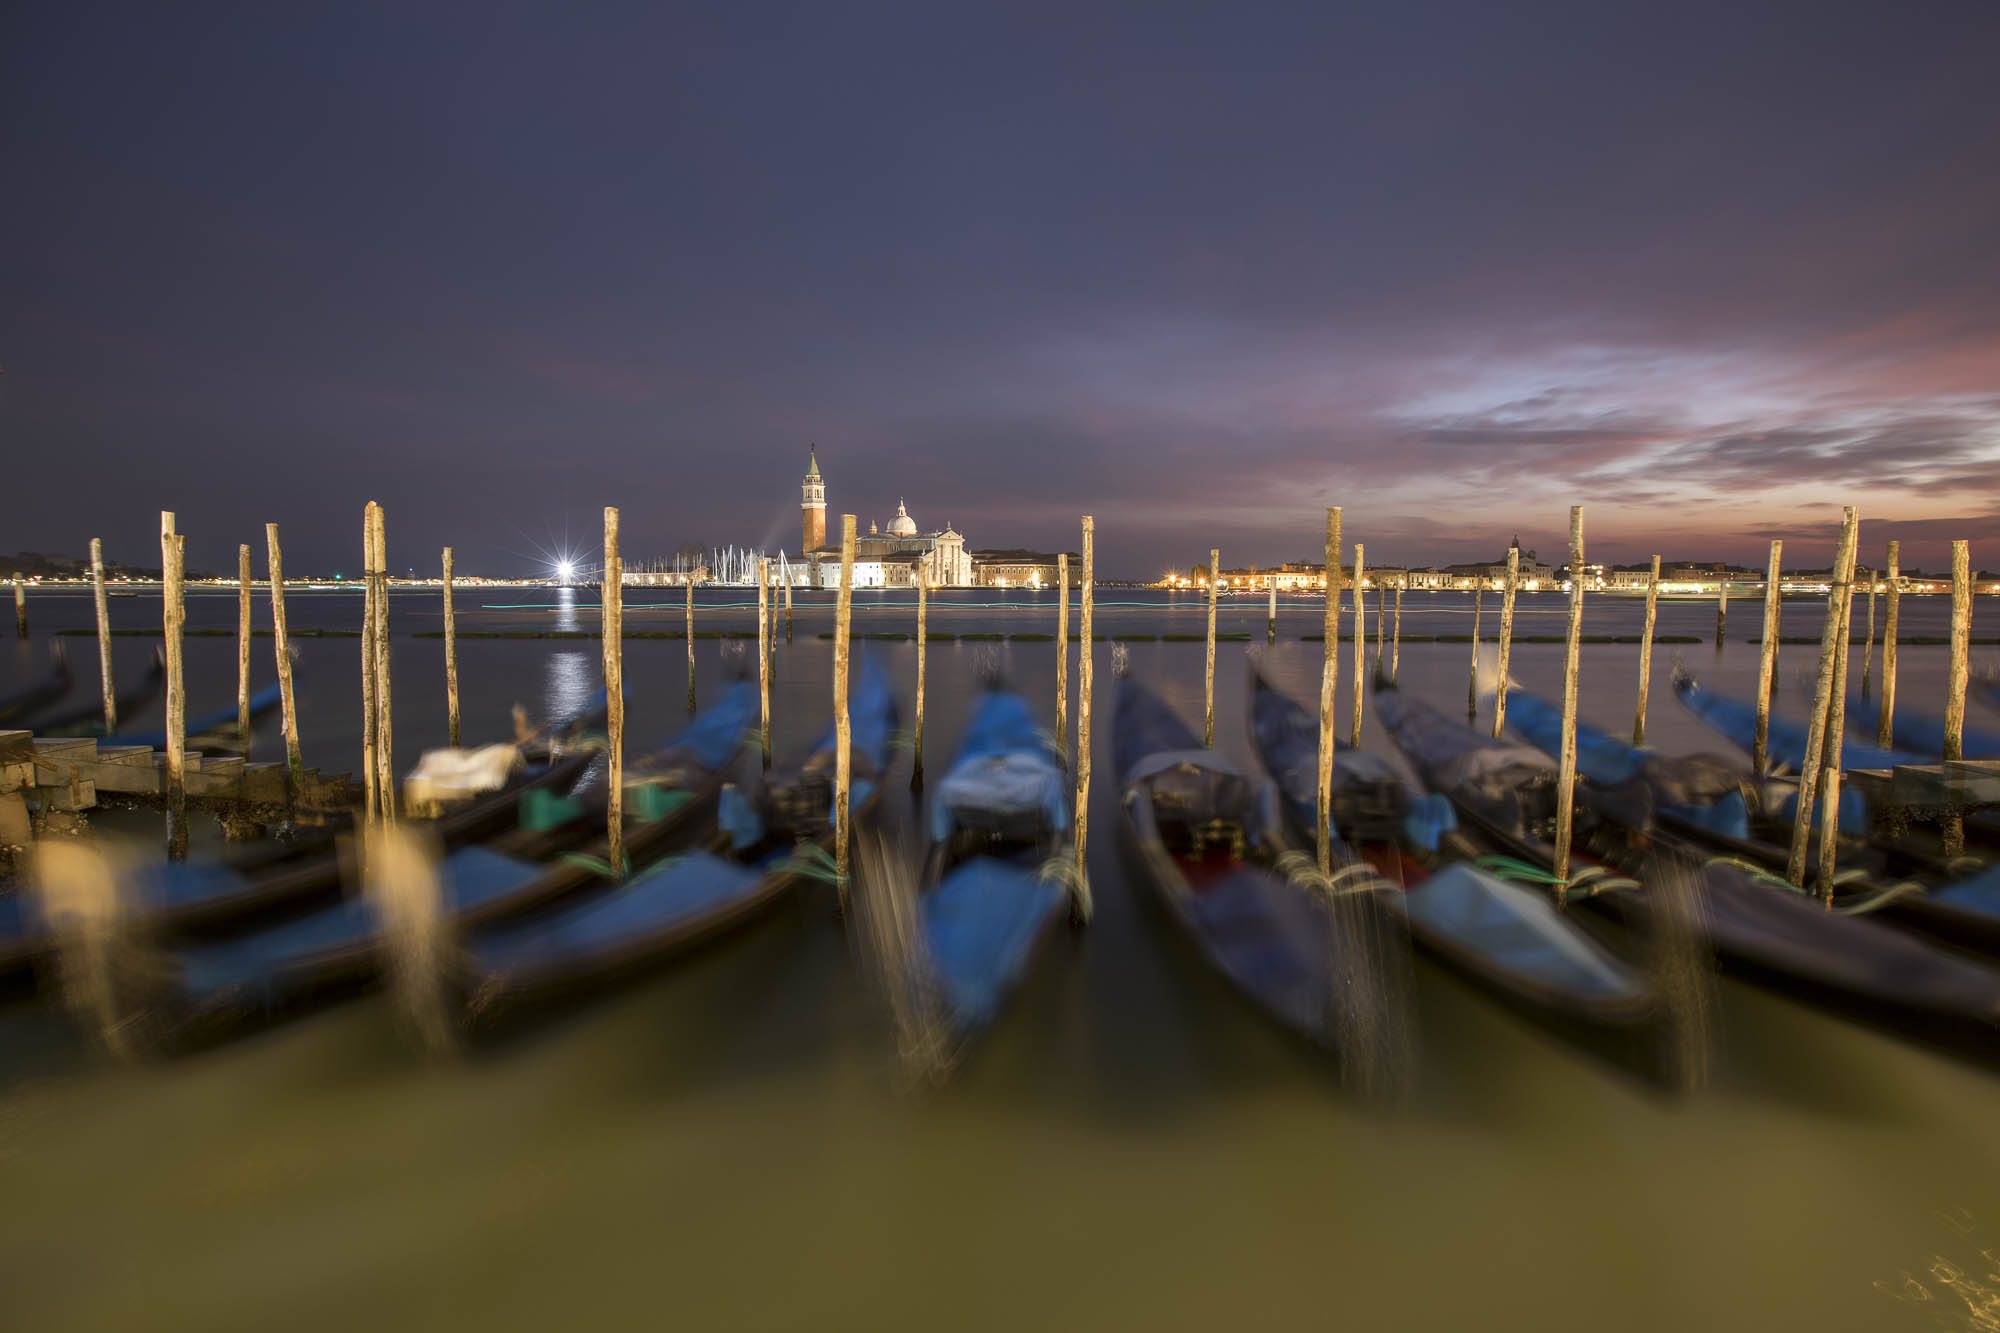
730, 1141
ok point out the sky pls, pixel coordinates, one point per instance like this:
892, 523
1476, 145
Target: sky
1710, 270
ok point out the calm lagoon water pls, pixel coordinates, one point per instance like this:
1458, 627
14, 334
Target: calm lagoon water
731, 1143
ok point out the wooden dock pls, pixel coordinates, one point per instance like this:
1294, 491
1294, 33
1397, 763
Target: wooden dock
68, 774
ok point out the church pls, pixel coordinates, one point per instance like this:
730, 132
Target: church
890, 559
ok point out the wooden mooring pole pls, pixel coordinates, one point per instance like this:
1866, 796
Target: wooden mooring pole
789, 578
385, 764
1271, 611
370, 719
1360, 646
614, 695
1885, 731
1506, 639
917, 744
1566, 768
1208, 676
1329, 680
1396, 637
104, 635
1868, 640
1721, 605
20, 608
172, 623
690, 641
1836, 731
1809, 771
1062, 654
242, 647
450, 655
295, 769
1956, 680
1472, 683
843, 611
1646, 653
1085, 672
764, 654
1767, 661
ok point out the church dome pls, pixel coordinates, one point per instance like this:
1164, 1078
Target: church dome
902, 525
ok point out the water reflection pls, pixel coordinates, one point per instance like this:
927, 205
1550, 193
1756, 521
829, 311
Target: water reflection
569, 681
566, 609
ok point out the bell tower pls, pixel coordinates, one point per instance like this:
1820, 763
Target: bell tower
813, 503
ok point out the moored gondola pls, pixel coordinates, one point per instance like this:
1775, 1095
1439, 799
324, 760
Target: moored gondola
1000, 869
1321, 955
1504, 936
208, 897
259, 972
1701, 800
771, 840
1753, 923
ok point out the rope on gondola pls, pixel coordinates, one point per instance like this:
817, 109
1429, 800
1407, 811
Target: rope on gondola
1587, 882
1860, 906
1062, 869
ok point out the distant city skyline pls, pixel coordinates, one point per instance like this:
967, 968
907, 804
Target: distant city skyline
1712, 271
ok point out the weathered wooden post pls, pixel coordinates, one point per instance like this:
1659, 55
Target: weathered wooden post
1767, 660
1360, 645
1085, 673
1208, 677
1868, 640
1721, 605
764, 654
614, 694
295, 769
1062, 654
1795, 869
1329, 680
1836, 730
1885, 731
1396, 635
242, 649
1957, 678
450, 654
370, 718
690, 640
917, 745
1646, 653
789, 579
172, 621
104, 634
1566, 768
1271, 611
1472, 684
385, 765
1506, 639
842, 725
20, 608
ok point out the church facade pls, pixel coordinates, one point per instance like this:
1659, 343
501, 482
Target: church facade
895, 558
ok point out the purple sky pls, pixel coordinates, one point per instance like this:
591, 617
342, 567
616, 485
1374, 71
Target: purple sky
1712, 270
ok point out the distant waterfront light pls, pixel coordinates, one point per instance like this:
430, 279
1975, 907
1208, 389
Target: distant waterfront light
565, 571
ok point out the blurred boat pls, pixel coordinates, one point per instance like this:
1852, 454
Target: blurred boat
39, 695
1001, 863
1700, 799
87, 719
770, 841
204, 897
529, 868
1916, 731
1503, 935
1212, 845
1754, 923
